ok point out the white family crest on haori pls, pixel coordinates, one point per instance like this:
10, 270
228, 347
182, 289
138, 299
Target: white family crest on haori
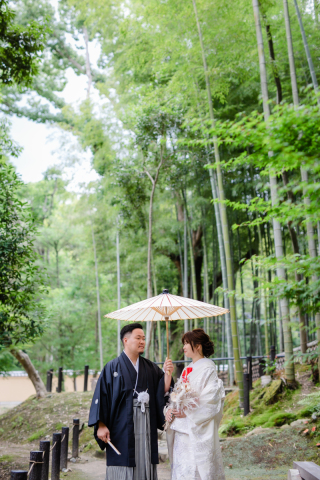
193, 441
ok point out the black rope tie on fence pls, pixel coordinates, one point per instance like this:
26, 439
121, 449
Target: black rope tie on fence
33, 463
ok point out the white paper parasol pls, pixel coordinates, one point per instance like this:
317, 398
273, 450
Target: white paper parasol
166, 307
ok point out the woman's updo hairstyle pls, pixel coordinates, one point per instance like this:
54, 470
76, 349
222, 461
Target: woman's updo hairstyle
199, 337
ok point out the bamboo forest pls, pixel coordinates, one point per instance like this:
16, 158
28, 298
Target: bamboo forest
201, 122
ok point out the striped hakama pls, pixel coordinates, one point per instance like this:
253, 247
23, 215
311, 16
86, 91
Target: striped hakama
144, 469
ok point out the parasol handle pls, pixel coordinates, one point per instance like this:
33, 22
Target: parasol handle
167, 329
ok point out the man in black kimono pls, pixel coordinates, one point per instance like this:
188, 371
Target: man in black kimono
127, 409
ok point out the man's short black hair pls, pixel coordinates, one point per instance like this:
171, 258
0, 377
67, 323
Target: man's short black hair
129, 329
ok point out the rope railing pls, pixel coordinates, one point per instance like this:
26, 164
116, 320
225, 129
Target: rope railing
40, 459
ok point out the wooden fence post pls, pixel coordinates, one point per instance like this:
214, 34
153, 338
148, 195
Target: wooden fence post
35, 465
60, 380
45, 448
64, 448
48, 380
262, 366
249, 371
19, 475
86, 374
75, 438
56, 451
246, 394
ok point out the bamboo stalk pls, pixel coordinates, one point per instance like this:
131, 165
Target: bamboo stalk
98, 297
304, 173
118, 288
185, 270
306, 47
225, 229
289, 368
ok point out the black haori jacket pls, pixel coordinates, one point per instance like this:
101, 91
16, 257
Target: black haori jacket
112, 404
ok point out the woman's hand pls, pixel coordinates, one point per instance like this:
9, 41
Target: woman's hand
178, 414
169, 417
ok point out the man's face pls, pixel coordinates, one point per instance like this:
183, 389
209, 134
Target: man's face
135, 342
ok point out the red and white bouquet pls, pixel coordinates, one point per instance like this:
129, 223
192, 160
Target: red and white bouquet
183, 397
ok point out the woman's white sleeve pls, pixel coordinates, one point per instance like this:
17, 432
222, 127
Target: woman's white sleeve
210, 400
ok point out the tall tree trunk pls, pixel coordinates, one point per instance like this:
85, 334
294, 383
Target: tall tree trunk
298, 276
57, 266
193, 268
88, 67
98, 297
223, 270
185, 269
242, 299
155, 289
294, 241
118, 288
149, 292
180, 255
306, 47
25, 362
192, 262
304, 173
289, 369
275, 71
225, 229
205, 275
293, 76
215, 196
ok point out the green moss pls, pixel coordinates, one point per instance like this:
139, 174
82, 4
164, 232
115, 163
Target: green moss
37, 435
88, 447
7, 458
260, 420
272, 392
282, 418
233, 427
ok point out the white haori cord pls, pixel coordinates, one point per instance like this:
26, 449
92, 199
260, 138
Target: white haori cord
143, 398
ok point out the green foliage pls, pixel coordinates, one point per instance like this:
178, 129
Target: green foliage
20, 48
20, 279
7, 362
150, 97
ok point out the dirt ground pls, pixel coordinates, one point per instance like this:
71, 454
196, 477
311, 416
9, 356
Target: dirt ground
262, 456
266, 455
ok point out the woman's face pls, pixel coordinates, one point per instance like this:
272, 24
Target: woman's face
188, 350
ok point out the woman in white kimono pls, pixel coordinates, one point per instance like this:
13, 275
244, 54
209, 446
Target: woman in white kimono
193, 440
